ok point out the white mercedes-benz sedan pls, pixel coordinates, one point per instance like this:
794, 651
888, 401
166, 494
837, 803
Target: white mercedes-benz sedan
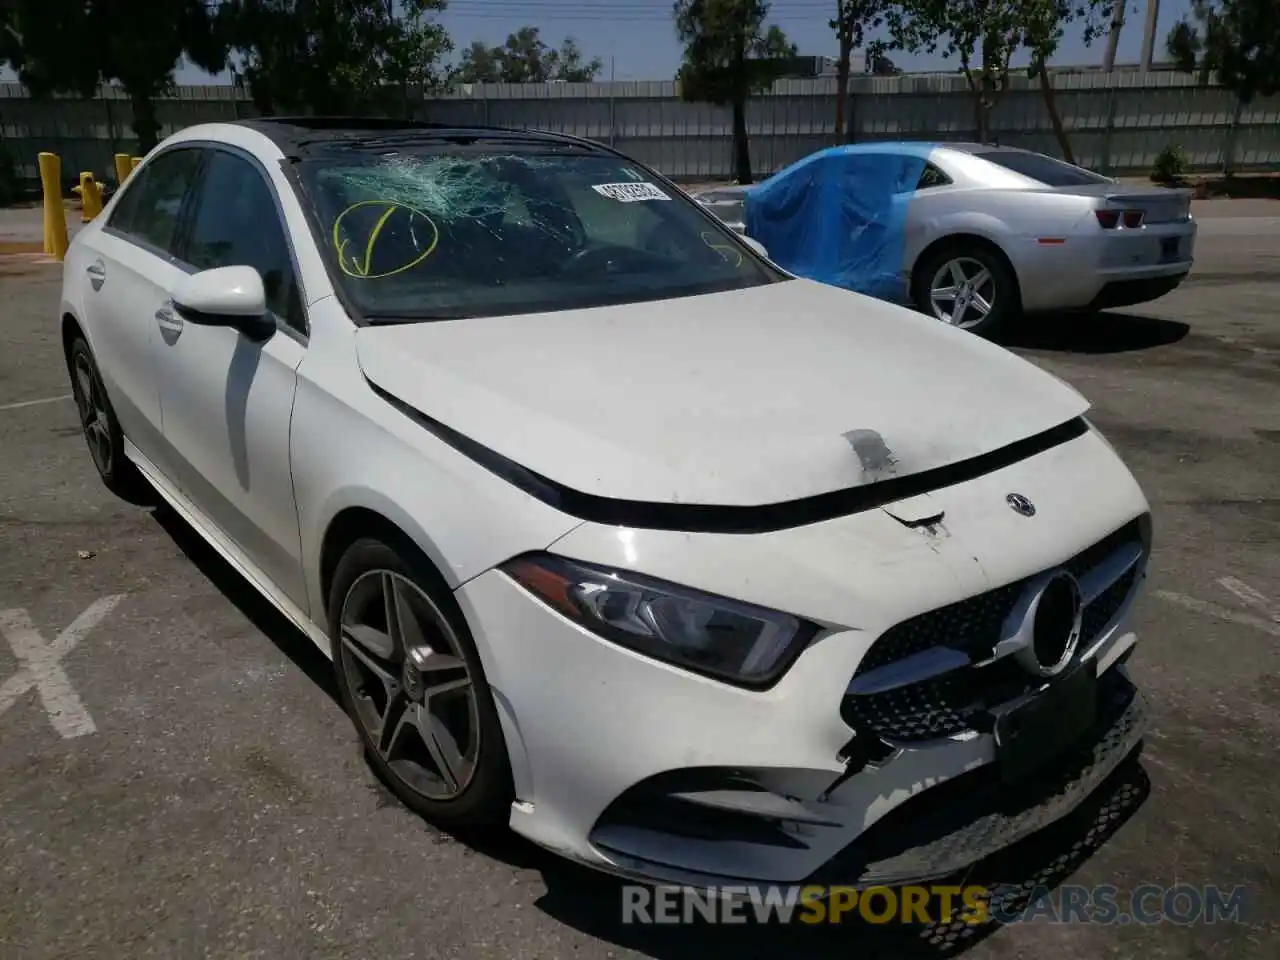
683, 567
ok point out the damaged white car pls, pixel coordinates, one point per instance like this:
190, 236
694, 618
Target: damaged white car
684, 568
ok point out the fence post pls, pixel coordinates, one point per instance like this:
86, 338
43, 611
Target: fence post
1109, 129
90, 197
55, 214
1229, 141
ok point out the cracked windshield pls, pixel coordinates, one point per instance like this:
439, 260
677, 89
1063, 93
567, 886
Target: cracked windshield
418, 236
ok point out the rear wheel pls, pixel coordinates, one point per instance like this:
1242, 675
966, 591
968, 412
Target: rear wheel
968, 287
411, 679
99, 425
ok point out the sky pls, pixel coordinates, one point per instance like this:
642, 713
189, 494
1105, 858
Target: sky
636, 38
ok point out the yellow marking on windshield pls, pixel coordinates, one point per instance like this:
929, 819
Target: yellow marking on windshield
723, 249
359, 268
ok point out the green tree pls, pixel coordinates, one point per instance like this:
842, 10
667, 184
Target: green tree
981, 34
1236, 41
1046, 21
985, 34
336, 56
729, 54
479, 64
73, 46
525, 58
853, 20
571, 65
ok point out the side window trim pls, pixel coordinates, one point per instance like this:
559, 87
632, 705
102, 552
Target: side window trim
191, 207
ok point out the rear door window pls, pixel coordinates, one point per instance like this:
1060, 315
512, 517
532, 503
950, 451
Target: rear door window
931, 176
151, 207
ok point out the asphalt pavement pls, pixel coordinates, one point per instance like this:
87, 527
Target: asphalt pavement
182, 783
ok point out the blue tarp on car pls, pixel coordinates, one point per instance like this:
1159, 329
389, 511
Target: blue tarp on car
839, 216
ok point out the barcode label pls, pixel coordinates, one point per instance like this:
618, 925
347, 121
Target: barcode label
629, 192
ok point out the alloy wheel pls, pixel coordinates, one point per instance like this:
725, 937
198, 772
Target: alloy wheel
963, 292
411, 689
94, 419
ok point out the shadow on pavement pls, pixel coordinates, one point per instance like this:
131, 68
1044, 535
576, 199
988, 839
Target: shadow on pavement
273, 624
1099, 333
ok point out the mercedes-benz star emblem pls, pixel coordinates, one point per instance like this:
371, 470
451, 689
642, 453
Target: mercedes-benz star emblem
1021, 504
1055, 628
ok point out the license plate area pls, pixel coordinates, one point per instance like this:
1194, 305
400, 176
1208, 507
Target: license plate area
1042, 729
1169, 248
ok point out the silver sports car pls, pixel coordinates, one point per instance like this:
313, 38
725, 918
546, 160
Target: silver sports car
985, 234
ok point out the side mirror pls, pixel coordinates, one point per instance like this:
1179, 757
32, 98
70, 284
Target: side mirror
755, 245
225, 297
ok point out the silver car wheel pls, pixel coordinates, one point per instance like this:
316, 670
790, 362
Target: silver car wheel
963, 292
410, 685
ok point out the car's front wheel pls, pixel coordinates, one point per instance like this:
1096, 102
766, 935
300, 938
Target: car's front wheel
411, 679
968, 287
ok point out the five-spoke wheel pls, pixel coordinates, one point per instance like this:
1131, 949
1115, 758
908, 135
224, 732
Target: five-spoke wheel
412, 691
94, 417
969, 287
98, 423
962, 292
412, 681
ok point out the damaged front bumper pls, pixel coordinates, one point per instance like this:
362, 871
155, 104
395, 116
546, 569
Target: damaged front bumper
938, 833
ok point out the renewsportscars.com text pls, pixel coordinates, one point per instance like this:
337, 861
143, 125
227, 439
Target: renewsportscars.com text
1147, 904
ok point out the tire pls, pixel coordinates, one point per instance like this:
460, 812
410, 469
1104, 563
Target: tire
100, 427
996, 285
416, 734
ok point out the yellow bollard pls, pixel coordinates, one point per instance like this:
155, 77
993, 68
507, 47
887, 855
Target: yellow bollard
55, 215
90, 197
133, 163
123, 168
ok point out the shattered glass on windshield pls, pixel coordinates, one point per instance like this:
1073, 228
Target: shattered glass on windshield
439, 235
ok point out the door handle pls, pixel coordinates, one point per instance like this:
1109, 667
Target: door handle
168, 319
97, 272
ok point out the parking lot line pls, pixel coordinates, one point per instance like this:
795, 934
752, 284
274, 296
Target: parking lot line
1252, 597
35, 403
41, 666
1222, 613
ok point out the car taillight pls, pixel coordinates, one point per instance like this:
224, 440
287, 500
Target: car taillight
1110, 219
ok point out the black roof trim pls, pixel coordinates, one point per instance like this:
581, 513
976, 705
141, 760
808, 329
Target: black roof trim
293, 135
709, 518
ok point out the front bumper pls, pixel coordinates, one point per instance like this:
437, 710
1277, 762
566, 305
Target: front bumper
641, 769
947, 829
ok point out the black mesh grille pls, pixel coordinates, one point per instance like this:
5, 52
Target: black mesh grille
957, 701
972, 625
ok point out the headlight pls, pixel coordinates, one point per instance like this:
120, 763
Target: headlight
743, 644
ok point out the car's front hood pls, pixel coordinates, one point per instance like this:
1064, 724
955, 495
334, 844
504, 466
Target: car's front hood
756, 396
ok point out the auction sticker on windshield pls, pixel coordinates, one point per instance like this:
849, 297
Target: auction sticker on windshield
629, 192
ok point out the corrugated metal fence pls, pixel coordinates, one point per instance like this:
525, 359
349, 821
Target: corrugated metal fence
1118, 122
